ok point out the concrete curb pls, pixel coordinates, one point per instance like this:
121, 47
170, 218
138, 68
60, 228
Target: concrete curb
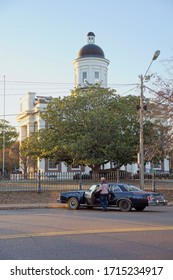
31, 206
42, 205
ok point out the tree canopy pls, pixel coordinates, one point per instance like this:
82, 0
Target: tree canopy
90, 127
94, 126
8, 133
8, 136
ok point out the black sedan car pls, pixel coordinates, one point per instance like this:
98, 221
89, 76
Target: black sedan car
123, 196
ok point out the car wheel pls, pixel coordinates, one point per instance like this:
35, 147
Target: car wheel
73, 203
125, 205
139, 208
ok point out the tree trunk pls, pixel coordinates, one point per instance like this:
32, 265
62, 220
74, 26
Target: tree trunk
95, 172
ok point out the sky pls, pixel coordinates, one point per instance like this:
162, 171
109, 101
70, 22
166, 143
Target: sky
39, 40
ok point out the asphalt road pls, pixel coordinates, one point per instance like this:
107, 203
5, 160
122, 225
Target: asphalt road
62, 234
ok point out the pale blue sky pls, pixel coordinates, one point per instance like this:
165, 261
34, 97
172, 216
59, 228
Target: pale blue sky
41, 38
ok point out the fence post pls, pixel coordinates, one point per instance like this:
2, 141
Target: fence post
39, 181
80, 182
154, 182
118, 176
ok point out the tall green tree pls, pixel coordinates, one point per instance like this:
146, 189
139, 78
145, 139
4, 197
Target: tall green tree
91, 127
94, 126
161, 113
29, 151
10, 133
8, 136
158, 136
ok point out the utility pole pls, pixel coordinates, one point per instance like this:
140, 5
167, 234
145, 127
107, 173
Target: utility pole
141, 122
3, 149
141, 135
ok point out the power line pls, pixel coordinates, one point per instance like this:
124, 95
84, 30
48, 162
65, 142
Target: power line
37, 82
130, 90
59, 83
37, 93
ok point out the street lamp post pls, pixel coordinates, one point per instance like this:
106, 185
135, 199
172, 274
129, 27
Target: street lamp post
141, 132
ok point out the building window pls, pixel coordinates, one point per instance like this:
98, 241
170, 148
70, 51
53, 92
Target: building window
96, 75
84, 76
157, 166
52, 164
35, 126
75, 166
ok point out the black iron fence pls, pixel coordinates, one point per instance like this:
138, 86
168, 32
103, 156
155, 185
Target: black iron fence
69, 181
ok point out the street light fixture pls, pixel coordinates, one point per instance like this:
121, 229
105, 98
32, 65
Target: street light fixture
141, 134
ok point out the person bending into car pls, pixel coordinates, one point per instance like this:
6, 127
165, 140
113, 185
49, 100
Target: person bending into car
104, 192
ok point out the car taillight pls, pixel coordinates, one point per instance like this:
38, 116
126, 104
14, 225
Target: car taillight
150, 197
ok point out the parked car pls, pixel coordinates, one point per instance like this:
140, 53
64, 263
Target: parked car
51, 174
123, 196
16, 172
84, 176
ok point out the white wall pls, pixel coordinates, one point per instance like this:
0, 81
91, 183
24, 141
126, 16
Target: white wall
91, 65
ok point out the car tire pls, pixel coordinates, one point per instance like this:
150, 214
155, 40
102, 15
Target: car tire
73, 203
125, 205
139, 208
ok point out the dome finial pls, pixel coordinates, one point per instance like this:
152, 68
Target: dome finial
91, 38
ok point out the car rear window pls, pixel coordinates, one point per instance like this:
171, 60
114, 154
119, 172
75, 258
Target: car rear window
116, 188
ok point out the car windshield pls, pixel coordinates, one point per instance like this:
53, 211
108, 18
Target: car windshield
132, 188
115, 188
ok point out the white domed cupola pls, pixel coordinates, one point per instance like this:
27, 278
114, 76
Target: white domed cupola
91, 66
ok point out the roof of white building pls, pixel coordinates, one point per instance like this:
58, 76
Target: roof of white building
90, 49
